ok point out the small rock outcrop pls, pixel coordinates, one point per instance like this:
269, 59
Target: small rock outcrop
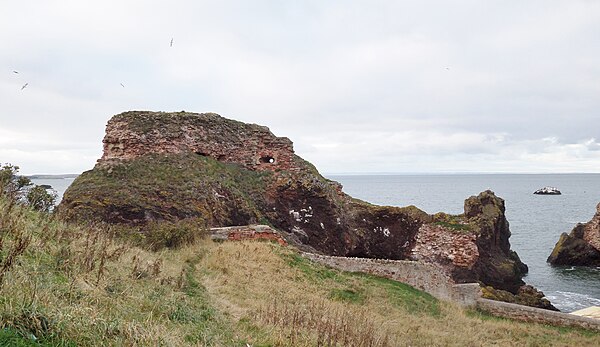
547, 191
172, 166
581, 247
526, 295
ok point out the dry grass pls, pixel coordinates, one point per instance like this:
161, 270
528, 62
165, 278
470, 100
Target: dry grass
80, 285
256, 282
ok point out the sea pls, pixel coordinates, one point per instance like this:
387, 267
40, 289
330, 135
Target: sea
536, 221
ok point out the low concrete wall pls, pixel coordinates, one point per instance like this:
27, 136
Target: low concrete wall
423, 276
537, 315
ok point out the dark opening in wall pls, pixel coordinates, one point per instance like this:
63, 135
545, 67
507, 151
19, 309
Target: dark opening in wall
267, 160
202, 154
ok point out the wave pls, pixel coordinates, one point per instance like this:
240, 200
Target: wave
569, 301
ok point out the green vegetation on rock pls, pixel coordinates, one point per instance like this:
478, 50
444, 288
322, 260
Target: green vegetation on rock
166, 187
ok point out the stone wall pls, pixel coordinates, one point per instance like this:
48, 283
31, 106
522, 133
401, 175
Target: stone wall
431, 279
423, 276
536, 315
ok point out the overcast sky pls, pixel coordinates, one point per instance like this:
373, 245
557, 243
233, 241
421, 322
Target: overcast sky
358, 86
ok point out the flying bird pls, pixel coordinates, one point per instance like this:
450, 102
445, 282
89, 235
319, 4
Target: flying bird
122, 85
24, 86
171, 44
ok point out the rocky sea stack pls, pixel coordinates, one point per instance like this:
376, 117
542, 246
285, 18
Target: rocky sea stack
581, 247
547, 191
178, 166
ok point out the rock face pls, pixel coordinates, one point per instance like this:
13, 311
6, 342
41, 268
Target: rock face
131, 135
171, 166
581, 247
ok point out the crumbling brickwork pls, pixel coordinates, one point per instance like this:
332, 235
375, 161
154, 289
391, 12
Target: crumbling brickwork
247, 232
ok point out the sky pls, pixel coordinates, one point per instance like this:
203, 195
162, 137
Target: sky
358, 86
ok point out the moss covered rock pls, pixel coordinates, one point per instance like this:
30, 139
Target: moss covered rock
526, 295
572, 249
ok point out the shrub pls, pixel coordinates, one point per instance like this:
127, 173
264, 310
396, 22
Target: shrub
167, 234
20, 189
11, 184
40, 199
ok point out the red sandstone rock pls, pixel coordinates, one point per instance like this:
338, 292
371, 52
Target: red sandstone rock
134, 134
581, 247
275, 185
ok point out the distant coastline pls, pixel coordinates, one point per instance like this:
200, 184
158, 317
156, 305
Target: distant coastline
52, 177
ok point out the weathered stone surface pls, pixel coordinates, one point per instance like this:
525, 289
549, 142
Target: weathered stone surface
171, 166
581, 247
133, 134
497, 265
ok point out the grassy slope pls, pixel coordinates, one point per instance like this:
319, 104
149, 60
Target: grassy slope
76, 286
170, 187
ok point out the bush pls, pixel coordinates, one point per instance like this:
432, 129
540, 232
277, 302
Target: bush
40, 199
11, 184
161, 234
21, 189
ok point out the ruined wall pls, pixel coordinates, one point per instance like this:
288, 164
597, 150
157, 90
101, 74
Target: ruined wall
247, 232
131, 135
423, 276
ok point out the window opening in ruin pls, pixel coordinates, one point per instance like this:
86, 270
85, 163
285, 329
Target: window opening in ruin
267, 160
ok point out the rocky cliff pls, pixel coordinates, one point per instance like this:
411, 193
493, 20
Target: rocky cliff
580, 247
171, 166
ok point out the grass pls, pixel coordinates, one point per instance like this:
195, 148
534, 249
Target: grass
452, 222
79, 286
454, 226
159, 187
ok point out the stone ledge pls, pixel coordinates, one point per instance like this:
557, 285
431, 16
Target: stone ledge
536, 315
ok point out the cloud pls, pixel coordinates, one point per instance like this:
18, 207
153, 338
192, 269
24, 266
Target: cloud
384, 86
